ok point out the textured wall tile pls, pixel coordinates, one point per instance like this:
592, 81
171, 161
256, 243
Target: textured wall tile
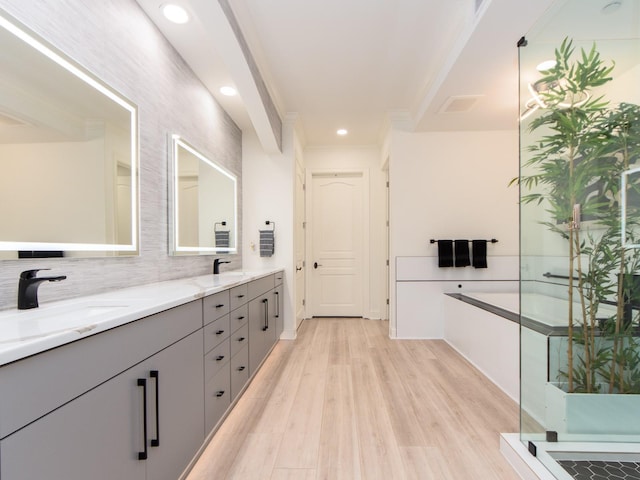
117, 42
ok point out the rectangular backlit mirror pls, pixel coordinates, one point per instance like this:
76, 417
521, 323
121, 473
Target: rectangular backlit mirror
68, 155
203, 203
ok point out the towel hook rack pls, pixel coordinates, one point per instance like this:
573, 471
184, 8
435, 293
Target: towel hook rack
270, 222
215, 225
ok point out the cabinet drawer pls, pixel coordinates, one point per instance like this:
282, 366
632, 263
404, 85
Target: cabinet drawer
278, 278
215, 306
239, 317
217, 398
260, 286
239, 371
239, 339
216, 332
238, 296
216, 359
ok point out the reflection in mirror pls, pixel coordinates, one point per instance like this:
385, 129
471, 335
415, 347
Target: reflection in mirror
630, 205
68, 155
203, 196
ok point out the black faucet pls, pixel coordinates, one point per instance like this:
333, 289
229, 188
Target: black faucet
28, 287
216, 265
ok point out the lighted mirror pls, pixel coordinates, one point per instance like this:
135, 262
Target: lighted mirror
203, 201
68, 155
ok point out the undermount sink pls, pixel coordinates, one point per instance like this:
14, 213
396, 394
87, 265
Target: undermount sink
48, 320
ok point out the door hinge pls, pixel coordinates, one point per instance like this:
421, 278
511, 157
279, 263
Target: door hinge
387, 301
304, 263
387, 184
304, 187
304, 224
387, 263
304, 302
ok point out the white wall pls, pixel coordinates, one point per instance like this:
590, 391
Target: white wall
447, 185
364, 158
268, 194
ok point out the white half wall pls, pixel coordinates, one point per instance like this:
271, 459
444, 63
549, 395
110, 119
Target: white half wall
449, 185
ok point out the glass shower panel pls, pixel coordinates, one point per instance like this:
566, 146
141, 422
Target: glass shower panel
580, 233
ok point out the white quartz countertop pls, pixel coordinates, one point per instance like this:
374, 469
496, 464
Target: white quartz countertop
29, 332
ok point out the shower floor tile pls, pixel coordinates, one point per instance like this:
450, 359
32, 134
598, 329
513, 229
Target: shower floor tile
601, 470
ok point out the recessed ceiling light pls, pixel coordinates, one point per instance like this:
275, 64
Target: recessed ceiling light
175, 13
546, 65
228, 91
342, 132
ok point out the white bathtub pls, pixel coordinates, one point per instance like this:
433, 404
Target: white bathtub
486, 338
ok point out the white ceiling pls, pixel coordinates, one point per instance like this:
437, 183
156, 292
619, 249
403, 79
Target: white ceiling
353, 63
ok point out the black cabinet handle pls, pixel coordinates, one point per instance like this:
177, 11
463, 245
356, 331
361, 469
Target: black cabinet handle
240, 296
142, 382
220, 305
240, 369
241, 339
155, 442
220, 393
219, 332
219, 357
277, 294
240, 318
265, 325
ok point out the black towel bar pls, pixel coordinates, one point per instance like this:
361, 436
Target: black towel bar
553, 275
493, 240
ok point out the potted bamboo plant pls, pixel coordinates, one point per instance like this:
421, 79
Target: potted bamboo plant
584, 146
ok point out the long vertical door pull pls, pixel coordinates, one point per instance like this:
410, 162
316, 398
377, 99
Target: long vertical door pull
265, 302
155, 374
142, 382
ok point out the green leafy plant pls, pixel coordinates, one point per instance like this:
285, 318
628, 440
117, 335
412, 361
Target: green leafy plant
584, 148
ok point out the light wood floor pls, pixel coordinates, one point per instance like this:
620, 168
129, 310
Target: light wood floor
344, 401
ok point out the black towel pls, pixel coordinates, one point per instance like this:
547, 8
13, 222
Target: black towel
445, 253
479, 253
462, 253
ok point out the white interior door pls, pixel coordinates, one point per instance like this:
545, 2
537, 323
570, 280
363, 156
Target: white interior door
300, 245
337, 245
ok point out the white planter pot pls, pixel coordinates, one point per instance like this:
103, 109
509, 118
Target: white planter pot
591, 413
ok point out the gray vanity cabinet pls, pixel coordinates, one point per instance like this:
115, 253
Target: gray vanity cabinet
266, 318
278, 318
137, 401
180, 417
101, 433
89, 437
261, 335
277, 310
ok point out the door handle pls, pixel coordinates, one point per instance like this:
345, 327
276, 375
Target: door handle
142, 382
316, 265
265, 324
298, 269
155, 442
